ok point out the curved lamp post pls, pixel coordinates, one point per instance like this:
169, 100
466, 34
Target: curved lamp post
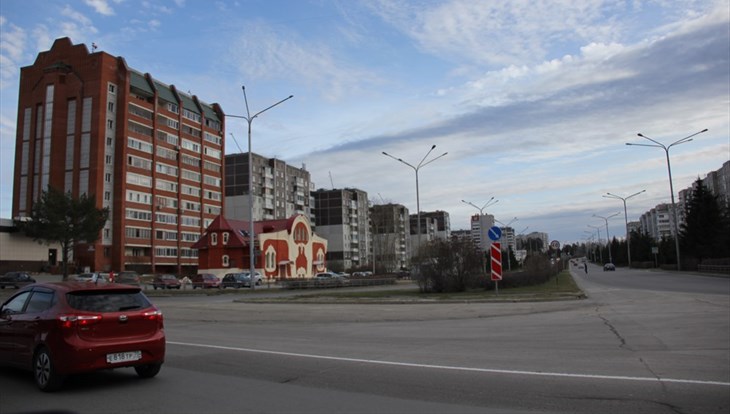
416, 168
626, 219
608, 238
658, 144
600, 251
481, 209
251, 233
509, 260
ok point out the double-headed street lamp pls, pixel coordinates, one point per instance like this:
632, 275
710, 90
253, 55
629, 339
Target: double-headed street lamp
626, 218
608, 238
416, 168
251, 233
481, 209
669, 170
509, 259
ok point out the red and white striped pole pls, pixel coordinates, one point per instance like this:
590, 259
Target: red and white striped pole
496, 255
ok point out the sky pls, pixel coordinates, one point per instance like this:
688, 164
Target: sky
532, 101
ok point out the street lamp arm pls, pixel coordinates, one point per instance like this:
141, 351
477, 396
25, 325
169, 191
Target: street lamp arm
429, 162
398, 159
473, 205
686, 139
646, 145
426, 156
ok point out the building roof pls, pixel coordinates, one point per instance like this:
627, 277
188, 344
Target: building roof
240, 230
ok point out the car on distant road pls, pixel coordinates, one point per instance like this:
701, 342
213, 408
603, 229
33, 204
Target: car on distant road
15, 279
62, 328
166, 281
128, 277
329, 279
235, 280
206, 280
93, 277
609, 267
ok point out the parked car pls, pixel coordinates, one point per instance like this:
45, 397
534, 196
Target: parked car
127, 278
258, 279
609, 267
206, 280
93, 277
329, 279
235, 280
62, 328
166, 282
15, 279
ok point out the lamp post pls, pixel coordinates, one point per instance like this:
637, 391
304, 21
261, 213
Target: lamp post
416, 168
658, 144
251, 233
608, 238
600, 252
626, 219
481, 209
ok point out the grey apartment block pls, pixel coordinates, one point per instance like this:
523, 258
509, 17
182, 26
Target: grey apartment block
279, 190
391, 241
343, 218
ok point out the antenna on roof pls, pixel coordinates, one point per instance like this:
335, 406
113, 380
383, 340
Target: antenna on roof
93, 47
332, 182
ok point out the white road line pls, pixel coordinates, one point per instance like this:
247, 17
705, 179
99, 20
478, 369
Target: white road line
446, 367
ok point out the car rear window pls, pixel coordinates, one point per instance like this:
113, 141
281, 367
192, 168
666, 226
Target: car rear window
116, 301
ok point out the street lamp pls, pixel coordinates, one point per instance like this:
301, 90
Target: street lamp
626, 219
608, 238
251, 233
416, 168
600, 251
658, 144
481, 209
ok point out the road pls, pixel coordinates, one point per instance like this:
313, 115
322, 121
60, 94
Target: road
643, 342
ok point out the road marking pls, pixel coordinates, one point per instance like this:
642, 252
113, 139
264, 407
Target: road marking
453, 368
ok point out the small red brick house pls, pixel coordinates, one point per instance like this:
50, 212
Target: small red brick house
283, 249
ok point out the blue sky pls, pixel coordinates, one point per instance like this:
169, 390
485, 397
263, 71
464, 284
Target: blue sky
533, 100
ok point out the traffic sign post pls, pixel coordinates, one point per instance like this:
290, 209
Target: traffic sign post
496, 255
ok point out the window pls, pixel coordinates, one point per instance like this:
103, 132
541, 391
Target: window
190, 145
140, 145
225, 261
225, 237
110, 107
213, 239
39, 302
112, 88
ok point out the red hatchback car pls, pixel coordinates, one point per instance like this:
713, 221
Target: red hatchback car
62, 328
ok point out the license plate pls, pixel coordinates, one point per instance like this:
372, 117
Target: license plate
123, 357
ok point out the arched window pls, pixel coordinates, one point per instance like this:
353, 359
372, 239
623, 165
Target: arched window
225, 237
213, 239
225, 261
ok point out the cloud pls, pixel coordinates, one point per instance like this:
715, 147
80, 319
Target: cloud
267, 52
100, 6
12, 47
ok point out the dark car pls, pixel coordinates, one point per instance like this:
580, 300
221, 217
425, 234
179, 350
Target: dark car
62, 328
206, 280
15, 279
236, 280
127, 278
609, 267
166, 282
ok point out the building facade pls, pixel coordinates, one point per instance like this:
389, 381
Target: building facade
389, 224
343, 218
280, 190
658, 222
283, 249
480, 225
90, 124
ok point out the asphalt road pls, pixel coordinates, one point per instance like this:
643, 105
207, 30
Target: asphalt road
643, 342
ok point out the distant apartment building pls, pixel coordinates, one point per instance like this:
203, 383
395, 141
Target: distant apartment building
343, 219
462, 235
508, 240
533, 242
436, 224
480, 225
717, 182
658, 222
390, 237
280, 190
89, 124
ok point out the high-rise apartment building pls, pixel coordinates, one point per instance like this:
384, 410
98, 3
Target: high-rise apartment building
280, 190
391, 248
480, 225
90, 124
343, 218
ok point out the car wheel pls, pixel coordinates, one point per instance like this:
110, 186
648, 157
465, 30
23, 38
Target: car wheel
46, 377
148, 371
258, 283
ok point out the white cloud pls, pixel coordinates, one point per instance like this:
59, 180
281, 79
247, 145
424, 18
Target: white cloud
266, 52
12, 47
100, 6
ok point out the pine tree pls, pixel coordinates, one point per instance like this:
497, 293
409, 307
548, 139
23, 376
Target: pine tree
705, 227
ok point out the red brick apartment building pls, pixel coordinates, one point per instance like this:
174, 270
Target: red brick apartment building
88, 123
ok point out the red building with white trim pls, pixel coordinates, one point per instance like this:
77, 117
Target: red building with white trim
284, 249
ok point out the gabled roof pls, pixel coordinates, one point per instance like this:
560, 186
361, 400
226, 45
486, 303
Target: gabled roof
240, 230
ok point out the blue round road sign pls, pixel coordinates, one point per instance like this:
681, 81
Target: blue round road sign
494, 233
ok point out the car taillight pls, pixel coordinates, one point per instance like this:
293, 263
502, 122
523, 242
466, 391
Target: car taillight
155, 315
70, 321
